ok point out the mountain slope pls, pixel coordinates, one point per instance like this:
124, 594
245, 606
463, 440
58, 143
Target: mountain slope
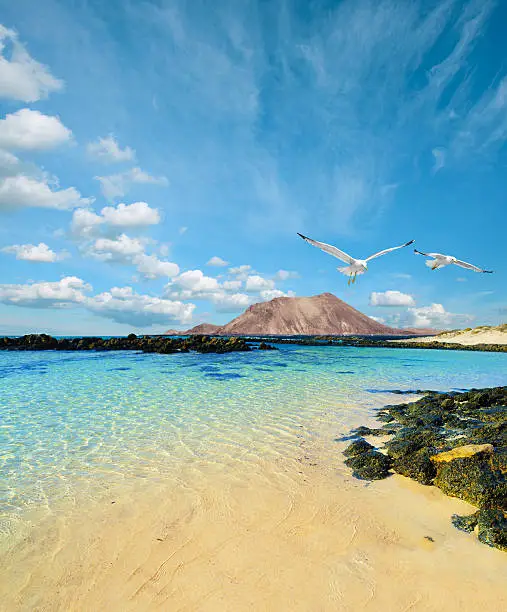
323, 314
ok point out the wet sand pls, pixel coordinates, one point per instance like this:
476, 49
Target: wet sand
293, 534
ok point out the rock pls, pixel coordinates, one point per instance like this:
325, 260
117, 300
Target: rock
263, 346
465, 523
370, 465
357, 447
417, 466
470, 473
367, 431
492, 527
463, 452
409, 440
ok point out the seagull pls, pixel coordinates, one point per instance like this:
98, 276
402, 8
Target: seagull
356, 266
439, 261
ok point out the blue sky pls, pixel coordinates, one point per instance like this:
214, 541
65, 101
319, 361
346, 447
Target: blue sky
158, 157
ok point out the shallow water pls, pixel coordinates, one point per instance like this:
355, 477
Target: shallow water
76, 422
132, 481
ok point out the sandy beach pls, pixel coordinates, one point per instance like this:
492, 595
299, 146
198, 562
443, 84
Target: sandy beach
289, 535
478, 335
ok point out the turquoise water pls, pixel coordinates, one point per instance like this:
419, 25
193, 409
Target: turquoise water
81, 421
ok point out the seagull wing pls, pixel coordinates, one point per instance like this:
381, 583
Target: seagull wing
464, 264
388, 250
332, 250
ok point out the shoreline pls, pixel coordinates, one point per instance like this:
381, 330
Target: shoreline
266, 538
296, 533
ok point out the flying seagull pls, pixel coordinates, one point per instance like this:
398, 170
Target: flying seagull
356, 266
439, 261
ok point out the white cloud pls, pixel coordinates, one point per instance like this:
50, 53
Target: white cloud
84, 222
432, 316
271, 294
283, 275
66, 292
258, 283
377, 319
231, 302
439, 159
108, 150
121, 249
391, 298
241, 272
31, 252
182, 230
461, 279
217, 261
232, 285
401, 275
137, 214
23, 190
117, 185
22, 77
150, 266
31, 130
123, 305
196, 282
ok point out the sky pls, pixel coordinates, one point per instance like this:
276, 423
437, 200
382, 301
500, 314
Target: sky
157, 158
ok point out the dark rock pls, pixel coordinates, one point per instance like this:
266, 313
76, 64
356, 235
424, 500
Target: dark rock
370, 465
492, 527
417, 466
367, 431
409, 440
474, 478
465, 523
263, 346
357, 447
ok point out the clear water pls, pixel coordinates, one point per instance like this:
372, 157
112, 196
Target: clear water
79, 421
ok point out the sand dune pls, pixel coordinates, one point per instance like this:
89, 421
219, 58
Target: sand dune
477, 335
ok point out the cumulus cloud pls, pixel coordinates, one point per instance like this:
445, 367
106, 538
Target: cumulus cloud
66, 292
138, 214
124, 305
433, 316
85, 222
271, 294
217, 261
117, 185
22, 77
30, 252
232, 285
121, 248
32, 130
150, 266
108, 150
391, 299
257, 283
22, 190
241, 272
283, 275
121, 304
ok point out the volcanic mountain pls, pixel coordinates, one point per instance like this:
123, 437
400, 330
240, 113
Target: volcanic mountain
319, 315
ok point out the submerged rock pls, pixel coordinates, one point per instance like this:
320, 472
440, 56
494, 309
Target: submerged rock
370, 465
465, 523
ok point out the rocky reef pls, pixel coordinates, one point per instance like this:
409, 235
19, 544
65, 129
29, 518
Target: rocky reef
456, 442
146, 344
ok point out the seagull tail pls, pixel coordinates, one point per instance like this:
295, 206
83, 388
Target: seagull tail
303, 237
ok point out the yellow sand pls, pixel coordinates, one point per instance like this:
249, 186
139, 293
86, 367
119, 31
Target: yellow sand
291, 535
478, 335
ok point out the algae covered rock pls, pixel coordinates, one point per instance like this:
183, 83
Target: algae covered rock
370, 465
492, 527
465, 523
417, 466
357, 447
470, 473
